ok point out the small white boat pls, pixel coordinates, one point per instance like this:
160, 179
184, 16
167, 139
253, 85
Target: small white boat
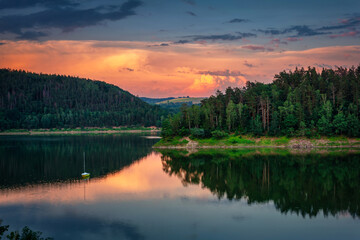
85, 175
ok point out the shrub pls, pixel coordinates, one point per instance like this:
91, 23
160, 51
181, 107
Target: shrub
184, 132
234, 140
197, 132
219, 134
282, 141
237, 140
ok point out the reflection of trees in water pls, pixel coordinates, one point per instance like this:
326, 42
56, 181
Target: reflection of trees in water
25, 160
304, 184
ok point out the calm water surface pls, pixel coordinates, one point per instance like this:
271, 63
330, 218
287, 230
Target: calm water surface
136, 193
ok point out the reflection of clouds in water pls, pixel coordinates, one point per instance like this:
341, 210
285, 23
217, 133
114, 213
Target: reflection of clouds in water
69, 224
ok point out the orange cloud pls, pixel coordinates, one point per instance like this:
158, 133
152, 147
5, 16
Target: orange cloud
174, 70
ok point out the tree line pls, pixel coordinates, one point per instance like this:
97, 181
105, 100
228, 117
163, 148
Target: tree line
30, 100
302, 102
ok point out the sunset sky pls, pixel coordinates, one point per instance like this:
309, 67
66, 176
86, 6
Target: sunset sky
162, 48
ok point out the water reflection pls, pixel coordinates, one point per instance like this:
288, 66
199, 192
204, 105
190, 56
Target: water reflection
29, 160
136, 193
144, 179
305, 184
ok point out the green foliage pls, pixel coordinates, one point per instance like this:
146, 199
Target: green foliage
209, 141
353, 123
265, 142
172, 141
282, 141
197, 132
166, 129
340, 123
299, 103
241, 141
217, 134
29, 100
324, 126
256, 126
184, 132
230, 115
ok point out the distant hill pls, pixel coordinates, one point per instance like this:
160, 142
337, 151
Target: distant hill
31, 100
155, 100
191, 100
173, 104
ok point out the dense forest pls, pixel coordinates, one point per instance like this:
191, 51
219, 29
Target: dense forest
303, 102
29, 100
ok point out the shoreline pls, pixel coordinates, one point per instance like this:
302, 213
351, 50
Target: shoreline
72, 132
186, 143
249, 146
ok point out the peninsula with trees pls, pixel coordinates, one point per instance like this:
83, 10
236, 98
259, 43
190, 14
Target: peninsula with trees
314, 108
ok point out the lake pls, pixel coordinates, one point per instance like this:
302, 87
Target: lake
135, 192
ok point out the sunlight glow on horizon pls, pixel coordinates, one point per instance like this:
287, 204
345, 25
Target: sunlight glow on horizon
148, 70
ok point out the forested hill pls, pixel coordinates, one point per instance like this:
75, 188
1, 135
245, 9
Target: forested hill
300, 103
30, 100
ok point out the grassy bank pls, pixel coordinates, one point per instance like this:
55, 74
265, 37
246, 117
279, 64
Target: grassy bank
94, 130
233, 141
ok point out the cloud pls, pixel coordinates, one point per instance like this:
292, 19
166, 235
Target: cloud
258, 48
345, 34
191, 13
238, 20
270, 31
210, 81
190, 2
322, 65
216, 37
295, 65
246, 63
345, 23
182, 41
304, 31
11, 4
226, 73
277, 41
293, 39
66, 19
174, 67
31, 35
298, 30
160, 45
127, 69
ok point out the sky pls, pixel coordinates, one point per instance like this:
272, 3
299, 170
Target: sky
162, 48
